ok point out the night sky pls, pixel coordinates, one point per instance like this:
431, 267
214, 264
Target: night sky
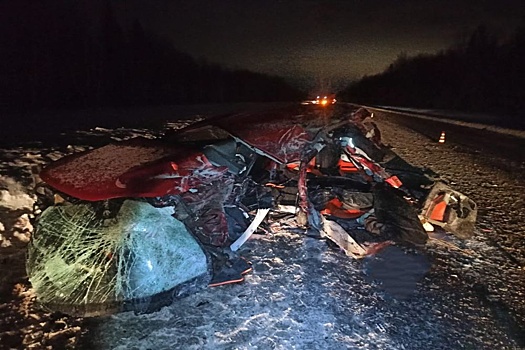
315, 40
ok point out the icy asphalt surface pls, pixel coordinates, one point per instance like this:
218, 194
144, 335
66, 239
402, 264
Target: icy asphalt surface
303, 294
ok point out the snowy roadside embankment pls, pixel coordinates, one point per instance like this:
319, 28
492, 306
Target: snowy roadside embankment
13, 196
16, 204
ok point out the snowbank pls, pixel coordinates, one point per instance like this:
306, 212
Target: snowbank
14, 196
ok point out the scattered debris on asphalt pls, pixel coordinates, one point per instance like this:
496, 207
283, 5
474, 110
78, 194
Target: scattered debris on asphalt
136, 224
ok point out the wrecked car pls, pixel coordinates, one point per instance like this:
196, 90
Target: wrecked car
136, 224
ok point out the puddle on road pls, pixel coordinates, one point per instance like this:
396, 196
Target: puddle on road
396, 271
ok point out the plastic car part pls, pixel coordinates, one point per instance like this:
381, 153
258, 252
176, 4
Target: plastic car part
451, 210
399, 221
85, 265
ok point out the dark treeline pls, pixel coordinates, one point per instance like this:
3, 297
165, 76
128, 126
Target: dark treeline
52, 56
478, 75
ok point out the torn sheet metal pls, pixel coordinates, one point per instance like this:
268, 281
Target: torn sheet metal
132, 168
334, 232
259, 217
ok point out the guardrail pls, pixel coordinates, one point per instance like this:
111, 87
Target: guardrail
448, 120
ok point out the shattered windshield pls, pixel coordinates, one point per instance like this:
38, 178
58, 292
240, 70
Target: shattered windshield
82, 264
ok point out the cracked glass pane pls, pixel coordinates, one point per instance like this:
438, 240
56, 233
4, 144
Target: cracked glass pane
82, 264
